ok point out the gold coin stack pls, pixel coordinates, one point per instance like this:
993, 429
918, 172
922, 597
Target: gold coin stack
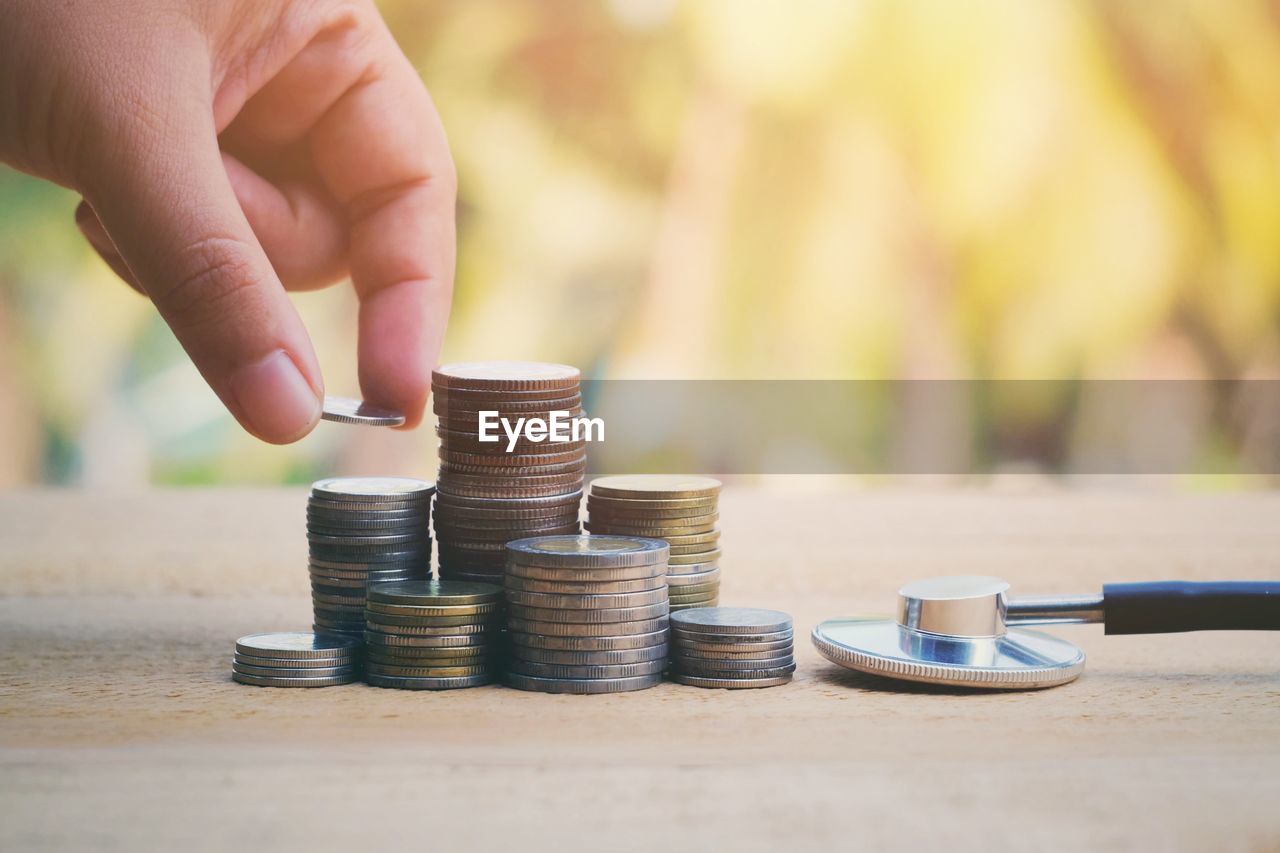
490, 493
682, 511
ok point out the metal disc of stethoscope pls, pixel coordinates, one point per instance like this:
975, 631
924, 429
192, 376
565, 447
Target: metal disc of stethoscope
1017, 660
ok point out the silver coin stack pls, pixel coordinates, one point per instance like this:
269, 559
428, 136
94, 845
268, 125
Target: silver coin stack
587, 614
296, 660
487, 494
361, 531
433, 635
733, 647
682, 511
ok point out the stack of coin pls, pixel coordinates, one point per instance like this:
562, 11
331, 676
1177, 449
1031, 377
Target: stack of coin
732, 647
487, 494
588, 614
433, 635
679, 510
296, 660
364, 530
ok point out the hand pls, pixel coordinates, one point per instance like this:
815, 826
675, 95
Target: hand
230, 150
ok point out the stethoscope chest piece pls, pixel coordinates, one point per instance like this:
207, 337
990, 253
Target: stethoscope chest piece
951, 631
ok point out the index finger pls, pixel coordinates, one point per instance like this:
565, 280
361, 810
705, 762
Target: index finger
381, 149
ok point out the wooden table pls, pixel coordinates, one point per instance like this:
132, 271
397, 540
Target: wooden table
120, 727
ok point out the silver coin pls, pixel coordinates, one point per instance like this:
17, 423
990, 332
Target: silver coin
679, 581
729, 683
580, 601
411, 629
449, 641
418, 561
420, 554
619, 614
687, 668
401, 683
337, 602
344, 410
587, 551
655, 486
426, 671
623, 642
696, 569
503, 536
363, 541
733, 646
582, 685
269, 681
418, 527
612, 508
466, 612
567, 499
297, 663
574, 587
695, 590
732, 620
370, 506
436, 593
583, 629
296, 645
684, 635
584, 575
348, 631
619, 670
332, 582
487, 662
711, 555
471, 577
589, 658
707, 666
360, 489
689, 605
601, 527
292, 672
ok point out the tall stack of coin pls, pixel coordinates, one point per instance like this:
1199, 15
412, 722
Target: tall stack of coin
682, 511
733, 647
364, 530
489, 495
433, 635
587, 614
296, 660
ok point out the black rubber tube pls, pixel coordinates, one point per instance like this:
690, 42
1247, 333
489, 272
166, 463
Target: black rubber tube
1166, 607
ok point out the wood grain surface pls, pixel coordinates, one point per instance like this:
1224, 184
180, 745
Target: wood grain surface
120, 727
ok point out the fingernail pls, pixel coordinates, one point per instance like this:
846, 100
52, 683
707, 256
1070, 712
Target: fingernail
275, 399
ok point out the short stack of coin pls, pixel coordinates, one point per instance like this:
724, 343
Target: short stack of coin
732, 647
361, 531
433, 635
682, 511
296, 660
488, 496
587, 614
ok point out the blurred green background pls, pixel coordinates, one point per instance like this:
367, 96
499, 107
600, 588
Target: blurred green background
747, 189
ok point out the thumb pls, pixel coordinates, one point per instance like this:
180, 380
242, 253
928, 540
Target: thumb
164, 198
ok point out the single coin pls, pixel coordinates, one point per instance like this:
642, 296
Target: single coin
496, 471
655, 486
449, 502
328, 624
679, 581
469, 442
271, 681
732, 620
579, 601
359, 489
434, 620
416, 560
488, 660
356, 512
688, 663
374, 624
356, 527
729, 683
625, 642
505, 376
477, 576
503, 536
333, 602
617, 528
297, 663
470, 421
711, 555
582, 685
369, 506
585, 629
293, 671
591, 658
512, 481
375, 638
655, 518
367, 540
618, 614
351, 631
694, 600
515, 460
329, 583
684, 635
745, 645
694, 542
435, 593
695, 590
469, 396
401, 683
621, 670
447, 523
345, 410
584, 575
587, 551
455, 406
425, 671
711, 602
574, 587
498, 489
296, 645
718, 671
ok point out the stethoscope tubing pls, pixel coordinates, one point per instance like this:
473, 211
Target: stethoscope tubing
1165, 607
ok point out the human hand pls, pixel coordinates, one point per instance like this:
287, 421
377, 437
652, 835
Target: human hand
230, 150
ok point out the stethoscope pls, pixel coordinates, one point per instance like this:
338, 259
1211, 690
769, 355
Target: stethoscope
956, 630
